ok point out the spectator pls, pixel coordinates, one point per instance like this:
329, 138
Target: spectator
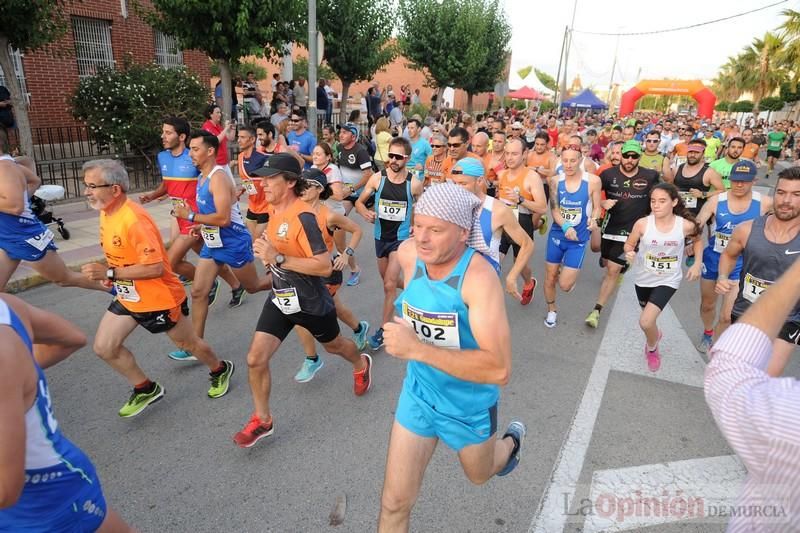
396, 117
6, 118
415, 99
332, 95
382, 139
322, 100
251, 95
301, 95
280, 115
274, 83
373, 104
213, 125
420, 148
300, 139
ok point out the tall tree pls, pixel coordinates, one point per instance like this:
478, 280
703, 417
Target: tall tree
357, 40
228, 30
27, 25
487, 50
768, 73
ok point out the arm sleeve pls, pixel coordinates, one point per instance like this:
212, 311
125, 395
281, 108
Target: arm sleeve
310, 240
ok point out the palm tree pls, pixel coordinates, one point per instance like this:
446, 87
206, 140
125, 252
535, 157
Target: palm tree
789, 56
763, 55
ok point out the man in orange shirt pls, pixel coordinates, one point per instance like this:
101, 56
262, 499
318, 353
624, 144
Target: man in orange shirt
750, 148
495, 161
249, 160
148, 292
457, 149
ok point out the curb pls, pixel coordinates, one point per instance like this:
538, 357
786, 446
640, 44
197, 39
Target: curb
35, 279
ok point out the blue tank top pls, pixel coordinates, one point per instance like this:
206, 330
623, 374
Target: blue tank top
25, 225
725, 222
205, 206
575, 207
54, 467
393, 205
483, 223
439, 316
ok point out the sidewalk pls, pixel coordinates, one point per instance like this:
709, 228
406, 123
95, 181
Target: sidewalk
84, 244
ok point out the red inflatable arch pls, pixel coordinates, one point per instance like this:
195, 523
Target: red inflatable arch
706, 100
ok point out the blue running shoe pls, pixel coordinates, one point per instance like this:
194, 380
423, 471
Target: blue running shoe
309, 370
516, 430
376, 341
689, 261
354, 278
181, 355
212, 294
360, 338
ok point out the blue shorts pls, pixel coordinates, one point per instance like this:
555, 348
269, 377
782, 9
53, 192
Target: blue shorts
710, 269
562, 250
77, 507
420, 418
235, 252
384, 248
31, 249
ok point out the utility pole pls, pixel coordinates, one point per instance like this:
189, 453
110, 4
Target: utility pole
312, 66
557, 96
611, 81
568, 44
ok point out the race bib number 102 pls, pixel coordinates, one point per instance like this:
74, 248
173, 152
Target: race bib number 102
438, 329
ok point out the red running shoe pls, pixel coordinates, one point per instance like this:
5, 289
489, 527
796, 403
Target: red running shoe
253, 431
527, 292
362, 380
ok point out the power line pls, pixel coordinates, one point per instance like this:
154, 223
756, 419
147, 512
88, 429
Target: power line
682, 27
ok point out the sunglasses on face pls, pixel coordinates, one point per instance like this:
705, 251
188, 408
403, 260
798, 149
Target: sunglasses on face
398, 157
630, 155
437, 146
454, 145
456, 172
652, 141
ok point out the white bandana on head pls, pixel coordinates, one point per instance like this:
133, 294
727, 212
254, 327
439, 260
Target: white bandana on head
451, 203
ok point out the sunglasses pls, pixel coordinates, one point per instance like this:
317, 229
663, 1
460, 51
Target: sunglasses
630, 155
294, 120
455, 145
456, 172
652, 141
398, 157
437, 146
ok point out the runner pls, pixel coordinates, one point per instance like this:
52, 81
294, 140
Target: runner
296, 254
249, 160
148, 292
492, 222
179, 183
652, 158
48, 483
395, 192
768, 246
627, 189
521, 189
729, 209
575, 208
220, 223
457, 149
455, 335
433, 172
693, 179
25, 238
659, 238
722, 167
314, 195
750, 148
356, 167
776, 142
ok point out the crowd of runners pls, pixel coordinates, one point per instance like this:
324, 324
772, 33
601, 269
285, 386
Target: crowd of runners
667, 197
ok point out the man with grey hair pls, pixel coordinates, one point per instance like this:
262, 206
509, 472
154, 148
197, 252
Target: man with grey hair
453, 330
149, 293
25, 238
434, 164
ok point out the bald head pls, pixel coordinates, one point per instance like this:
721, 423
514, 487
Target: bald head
480, 143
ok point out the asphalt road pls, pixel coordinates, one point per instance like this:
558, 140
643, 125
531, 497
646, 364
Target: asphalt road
174, 468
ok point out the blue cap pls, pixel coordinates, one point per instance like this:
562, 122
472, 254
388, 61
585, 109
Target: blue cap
743, 170
469, 166
349, 126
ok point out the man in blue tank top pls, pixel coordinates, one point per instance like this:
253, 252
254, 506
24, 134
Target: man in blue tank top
46, 482
729, 209
395, 191
453, 330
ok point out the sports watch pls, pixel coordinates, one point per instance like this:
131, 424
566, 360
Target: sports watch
110, 274
279, 259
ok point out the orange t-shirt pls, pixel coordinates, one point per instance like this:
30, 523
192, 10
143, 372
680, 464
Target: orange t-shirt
750, 151
538, 160
322, 220
434, 170
449, 163
493, 168
130, 237
508, 181
256, 199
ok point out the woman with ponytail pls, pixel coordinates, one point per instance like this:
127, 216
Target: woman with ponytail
660, 239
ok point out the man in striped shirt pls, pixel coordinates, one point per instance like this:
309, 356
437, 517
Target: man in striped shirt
759, 415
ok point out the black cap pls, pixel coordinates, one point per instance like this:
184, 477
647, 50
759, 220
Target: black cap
279, 164
315, 175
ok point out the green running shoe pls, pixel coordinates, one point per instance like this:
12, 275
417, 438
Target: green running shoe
360, 338
221, 382
140, 400
593, 319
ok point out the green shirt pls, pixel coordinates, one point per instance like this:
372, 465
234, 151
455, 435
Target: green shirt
775, 140
723, 168
712, 146
653, 162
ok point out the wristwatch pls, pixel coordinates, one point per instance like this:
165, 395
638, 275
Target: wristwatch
349, 251
520, 200
191, 216
279, 259
110, 274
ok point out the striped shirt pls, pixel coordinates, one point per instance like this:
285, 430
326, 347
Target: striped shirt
760, 417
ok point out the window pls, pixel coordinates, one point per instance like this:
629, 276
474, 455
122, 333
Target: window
92, 45
16, 58
168, 53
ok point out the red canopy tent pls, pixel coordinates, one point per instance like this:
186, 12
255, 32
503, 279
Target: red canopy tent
526, 93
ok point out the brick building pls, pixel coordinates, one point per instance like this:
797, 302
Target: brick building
100, 33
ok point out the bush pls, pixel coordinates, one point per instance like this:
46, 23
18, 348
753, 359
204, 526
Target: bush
722, 106
743, 106
125, 108
771, 103
418, 109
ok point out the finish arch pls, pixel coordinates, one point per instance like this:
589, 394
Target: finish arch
706, 100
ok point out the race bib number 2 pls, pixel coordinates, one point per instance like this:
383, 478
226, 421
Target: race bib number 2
438, 329
286, 300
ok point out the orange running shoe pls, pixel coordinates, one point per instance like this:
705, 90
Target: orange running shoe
362, 380
253, 431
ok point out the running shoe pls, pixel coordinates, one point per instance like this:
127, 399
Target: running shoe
308, 370
543, 226
237, 297
181, 355
705, 343
550, 321
212, 294
516, 430
140, 400
362, 380
593, 319
354, 278
360, 338
653, 357
220, 383
253, 431
186, 281
527, 292
376, 340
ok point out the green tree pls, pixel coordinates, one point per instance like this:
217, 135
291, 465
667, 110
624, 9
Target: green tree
487, 50
742, 106
300, 68
723, 106
241, 68
546, 79
759, 68
228, 30
27, 25
357, 40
